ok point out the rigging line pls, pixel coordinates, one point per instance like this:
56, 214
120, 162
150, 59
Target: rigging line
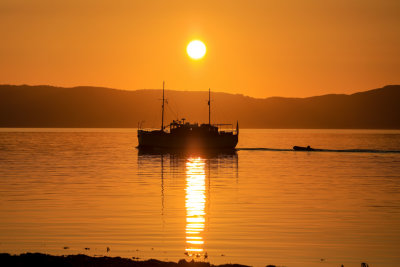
215, 111
218, 114
152, 121
223, 117
175, 107
171, 110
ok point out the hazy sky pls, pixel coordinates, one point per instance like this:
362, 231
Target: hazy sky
257, 48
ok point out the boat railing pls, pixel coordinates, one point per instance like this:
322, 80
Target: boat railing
151, 129
222, 128
225, 128
148, 129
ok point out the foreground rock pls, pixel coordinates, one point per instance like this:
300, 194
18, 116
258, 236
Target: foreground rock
44, 260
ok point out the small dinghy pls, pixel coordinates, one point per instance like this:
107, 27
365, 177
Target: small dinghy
302, 148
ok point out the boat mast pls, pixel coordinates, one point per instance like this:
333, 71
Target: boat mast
209, 106
162, 113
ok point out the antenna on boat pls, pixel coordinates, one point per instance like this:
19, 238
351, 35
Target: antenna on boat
209, 106
162, 114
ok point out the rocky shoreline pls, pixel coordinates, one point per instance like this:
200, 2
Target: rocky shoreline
80, 260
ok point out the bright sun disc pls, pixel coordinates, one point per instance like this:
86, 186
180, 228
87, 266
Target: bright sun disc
196, 49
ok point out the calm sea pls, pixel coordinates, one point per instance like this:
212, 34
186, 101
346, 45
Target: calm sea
69, 191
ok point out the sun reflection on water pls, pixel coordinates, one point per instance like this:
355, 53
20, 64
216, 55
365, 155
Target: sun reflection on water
195, 206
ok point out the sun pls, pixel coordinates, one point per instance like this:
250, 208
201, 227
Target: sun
196, 49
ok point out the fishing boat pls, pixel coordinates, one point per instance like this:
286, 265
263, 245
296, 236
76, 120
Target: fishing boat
180, 135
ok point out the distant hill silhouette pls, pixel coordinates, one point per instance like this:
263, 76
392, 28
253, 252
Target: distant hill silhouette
47, 106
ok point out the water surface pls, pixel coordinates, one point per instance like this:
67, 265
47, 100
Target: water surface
90, 188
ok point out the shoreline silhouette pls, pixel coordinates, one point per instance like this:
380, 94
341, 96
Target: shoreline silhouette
96, 107
40, 259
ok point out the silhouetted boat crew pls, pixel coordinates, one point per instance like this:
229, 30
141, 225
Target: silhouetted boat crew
184, 135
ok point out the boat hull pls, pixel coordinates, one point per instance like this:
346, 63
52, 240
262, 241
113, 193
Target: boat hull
301, 148
165, 140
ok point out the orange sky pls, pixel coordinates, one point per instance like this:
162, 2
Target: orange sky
257, 48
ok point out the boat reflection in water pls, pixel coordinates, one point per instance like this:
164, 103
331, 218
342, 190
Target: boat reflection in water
196, 173
195, 202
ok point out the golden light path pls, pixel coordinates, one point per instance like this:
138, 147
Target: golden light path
195, 206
